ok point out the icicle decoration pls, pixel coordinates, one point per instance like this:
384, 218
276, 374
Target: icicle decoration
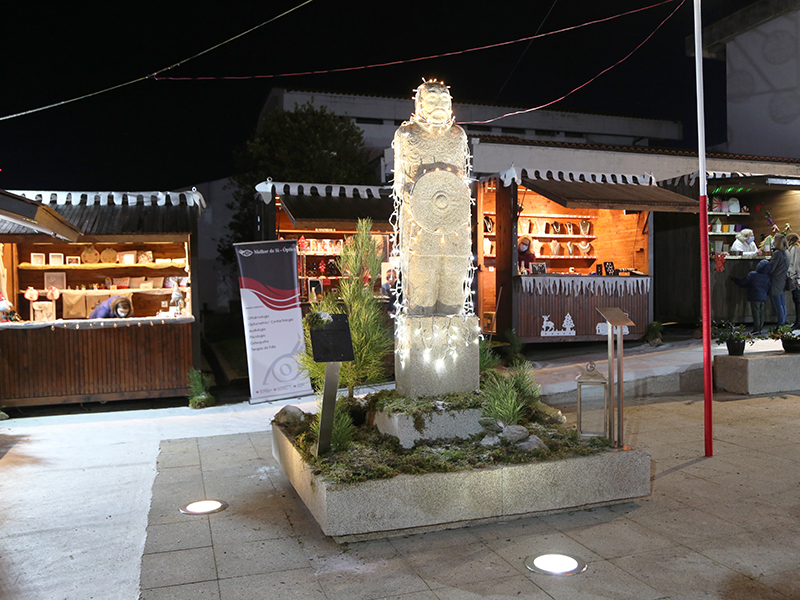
572, 286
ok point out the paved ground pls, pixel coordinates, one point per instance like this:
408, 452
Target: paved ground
90, 510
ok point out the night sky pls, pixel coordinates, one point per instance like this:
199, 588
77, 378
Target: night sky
163, 134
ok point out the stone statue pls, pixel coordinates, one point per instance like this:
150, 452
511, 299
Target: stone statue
430, 166
436, 331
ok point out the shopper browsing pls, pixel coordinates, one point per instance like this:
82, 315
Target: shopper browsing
757, 283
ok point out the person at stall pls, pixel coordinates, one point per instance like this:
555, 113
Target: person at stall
389, 288
746, 243
525, 255
777, 277
116, 307
793, 252
757, 283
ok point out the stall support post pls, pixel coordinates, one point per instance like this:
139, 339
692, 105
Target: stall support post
615, 320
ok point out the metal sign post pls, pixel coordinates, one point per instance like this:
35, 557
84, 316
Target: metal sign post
330, 343
615, 319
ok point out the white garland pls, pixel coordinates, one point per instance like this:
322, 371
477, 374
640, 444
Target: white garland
606, 286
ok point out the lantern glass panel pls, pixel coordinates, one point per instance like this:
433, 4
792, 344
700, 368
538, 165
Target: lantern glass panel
593, 409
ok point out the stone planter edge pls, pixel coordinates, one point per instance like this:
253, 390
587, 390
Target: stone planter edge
448, 500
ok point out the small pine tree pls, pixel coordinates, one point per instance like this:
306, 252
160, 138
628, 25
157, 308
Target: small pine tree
359, 264
199, 382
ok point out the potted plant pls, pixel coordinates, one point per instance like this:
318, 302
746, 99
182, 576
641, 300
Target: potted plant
790, 338
732, 335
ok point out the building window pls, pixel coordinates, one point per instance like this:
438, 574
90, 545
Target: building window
573, 134
513, 130
546, 132
478, 128
368, 121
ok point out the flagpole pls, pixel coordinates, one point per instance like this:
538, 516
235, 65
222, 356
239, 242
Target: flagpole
705, 258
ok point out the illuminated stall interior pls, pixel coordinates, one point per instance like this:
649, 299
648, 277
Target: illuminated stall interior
321, 217
591, 247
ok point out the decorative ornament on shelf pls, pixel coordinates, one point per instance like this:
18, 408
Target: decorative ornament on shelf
774, 228
570, 228
584, 247
536, 247
585, 226
570, 248
719, 262
556, 227
31, 294
53, 293
555, 248
7, 312
90, 255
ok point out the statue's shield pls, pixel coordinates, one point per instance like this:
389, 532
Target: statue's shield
440, 202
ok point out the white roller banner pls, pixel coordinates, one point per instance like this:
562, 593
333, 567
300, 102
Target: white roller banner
273, 322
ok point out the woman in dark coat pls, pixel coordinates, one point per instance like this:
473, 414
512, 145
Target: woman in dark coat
777, 277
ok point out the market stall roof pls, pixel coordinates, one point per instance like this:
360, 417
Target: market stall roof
315, 203
19, 212
109, 213
600, 190
731, 182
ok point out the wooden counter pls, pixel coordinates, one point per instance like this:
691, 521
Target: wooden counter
562, 308
62, 362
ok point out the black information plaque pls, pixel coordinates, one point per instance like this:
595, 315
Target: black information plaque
332, 342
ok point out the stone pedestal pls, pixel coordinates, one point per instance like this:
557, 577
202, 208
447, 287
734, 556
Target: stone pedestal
436, 354
446, 424
757, 372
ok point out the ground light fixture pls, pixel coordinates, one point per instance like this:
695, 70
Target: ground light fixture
204, 507
560, 565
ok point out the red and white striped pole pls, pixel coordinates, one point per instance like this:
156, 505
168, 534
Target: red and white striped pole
705, 258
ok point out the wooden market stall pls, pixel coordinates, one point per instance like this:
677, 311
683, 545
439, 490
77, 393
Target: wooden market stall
736, 201
139, 245
320, 217
590, 238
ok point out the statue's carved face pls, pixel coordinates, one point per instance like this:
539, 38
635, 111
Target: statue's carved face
434, 104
